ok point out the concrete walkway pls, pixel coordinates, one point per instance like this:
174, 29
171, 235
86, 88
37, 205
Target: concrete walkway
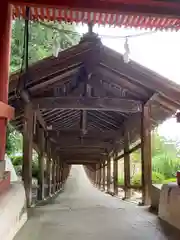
83, 212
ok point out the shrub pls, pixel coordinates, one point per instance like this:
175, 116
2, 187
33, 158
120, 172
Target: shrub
121, 181
170, 180
17, 160
35, 170
156, 178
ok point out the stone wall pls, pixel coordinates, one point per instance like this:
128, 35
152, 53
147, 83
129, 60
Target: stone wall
12, 211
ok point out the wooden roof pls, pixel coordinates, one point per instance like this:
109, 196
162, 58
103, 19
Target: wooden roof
88, 94
143, 15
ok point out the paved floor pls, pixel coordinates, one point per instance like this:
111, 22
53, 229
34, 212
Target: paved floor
82, 213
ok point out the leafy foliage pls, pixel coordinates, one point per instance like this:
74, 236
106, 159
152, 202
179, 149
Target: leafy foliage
165, 156
170, 180
156, 178
42, 37
18, 160
121, 181
14, 140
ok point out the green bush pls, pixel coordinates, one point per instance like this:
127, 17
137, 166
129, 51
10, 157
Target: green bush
17, 160
35, 170
170, 180
121, 180
156, 178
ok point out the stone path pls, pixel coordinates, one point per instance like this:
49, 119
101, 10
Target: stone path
83, 213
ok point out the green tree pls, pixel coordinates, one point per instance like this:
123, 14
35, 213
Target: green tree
43, 37
165, 155
14, 141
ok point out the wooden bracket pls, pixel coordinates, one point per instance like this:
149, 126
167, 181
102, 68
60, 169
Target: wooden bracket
6, 111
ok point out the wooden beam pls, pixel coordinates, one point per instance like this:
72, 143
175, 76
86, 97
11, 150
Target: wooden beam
139, 187
114, 79
26, 98
86, 144
140, 76
146, 155
67, 136
88, 103
27, 152
133, 149
127, 172
86, 155
80, 160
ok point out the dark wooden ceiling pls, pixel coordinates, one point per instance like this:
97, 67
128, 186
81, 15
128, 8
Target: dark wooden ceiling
87, 95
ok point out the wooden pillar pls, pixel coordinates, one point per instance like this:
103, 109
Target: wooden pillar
27, 152
53, 170
95, 181
108, 174
48, 169
104, 176
94, 174
146, 155
5, 48
100, 175
57, 173
127, 170
62, 174
41, 140
115, 173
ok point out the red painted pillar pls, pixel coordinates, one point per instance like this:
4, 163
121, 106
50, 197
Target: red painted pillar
5, 39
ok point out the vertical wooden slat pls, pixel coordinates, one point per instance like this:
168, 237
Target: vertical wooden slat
104, 176
108, 174
100, 175
115, 173
54, 175
41, 140
62, 174
48, 169
27, 152
96, 176
146, 155
57, 173
127, 171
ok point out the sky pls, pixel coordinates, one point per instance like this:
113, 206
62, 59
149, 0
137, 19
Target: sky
158, 51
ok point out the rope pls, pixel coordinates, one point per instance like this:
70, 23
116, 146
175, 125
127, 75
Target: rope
25, 57
108, 36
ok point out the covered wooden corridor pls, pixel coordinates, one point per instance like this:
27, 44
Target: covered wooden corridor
87, 106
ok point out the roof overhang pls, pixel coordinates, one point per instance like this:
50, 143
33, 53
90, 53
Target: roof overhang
149, 14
